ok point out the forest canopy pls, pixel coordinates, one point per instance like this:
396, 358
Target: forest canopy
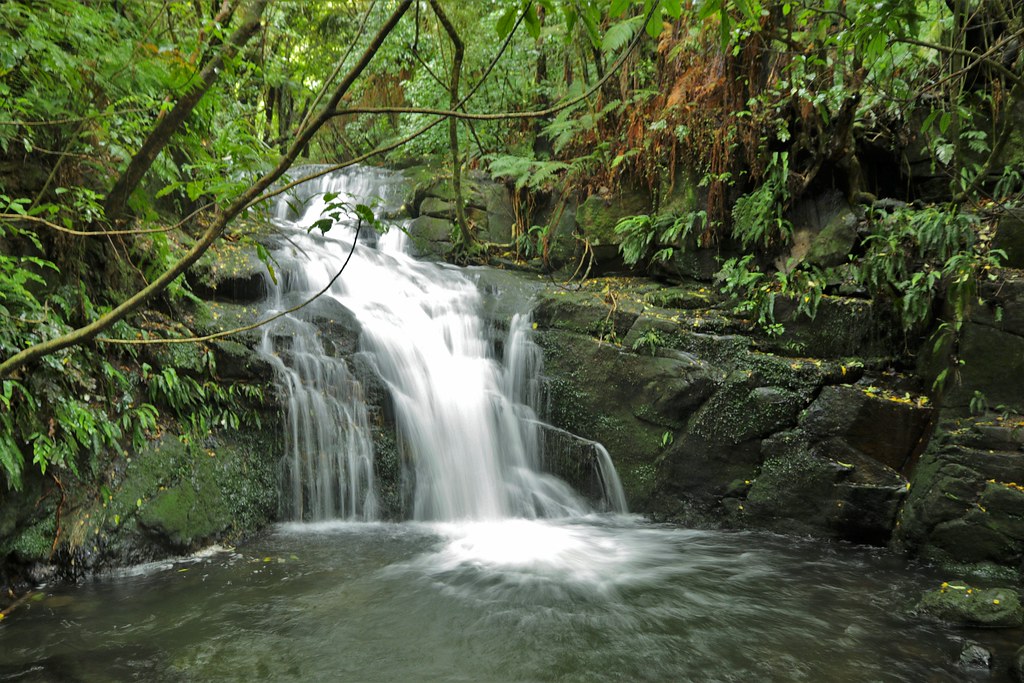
136, 134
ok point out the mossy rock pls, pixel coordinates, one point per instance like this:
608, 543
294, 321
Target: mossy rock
598, 215
431, 236
959, 603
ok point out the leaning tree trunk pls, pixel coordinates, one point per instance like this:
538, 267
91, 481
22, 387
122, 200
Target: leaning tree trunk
453, 124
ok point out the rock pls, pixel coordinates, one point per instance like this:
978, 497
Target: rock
824, 232
959, 603
229, 271
1017, 665
965, 507
438, 208
689, 261
626, 401
598, 215
884, 427
974, 656
586, 312
1010, 236
576, 461
992, 365
430, 236
238, 362
842, 327
835, 242
501, 215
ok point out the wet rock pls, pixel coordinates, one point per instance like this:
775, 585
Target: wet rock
626, 401
965, 506
843, 327
832, 246
1010, 236
598, 215
501, 215
238, 362
885, 427
430, 236
993, 366
974, 657
960, 603
1017, 665
586, 312
229, 271
438, 208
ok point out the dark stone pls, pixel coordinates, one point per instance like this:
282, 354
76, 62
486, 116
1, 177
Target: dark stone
229, 271
1017, 665
965, 506
501, 215
884, 427
588, 313
1010, 236
605, 394
833, 245
842, 327
598, 215
993, 365
974, 656
238, 362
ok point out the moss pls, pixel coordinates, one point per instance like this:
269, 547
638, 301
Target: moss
961, 603
33, 544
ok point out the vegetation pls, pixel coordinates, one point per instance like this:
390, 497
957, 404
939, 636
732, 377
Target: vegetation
134, 135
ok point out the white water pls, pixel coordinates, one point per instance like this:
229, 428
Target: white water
467, 423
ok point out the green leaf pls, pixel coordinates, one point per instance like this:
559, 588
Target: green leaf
654, 26
506, 22
620, 34
673, 8
618, 7
532, 22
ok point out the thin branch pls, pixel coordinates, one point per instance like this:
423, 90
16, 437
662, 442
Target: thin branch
88, 332
95, 233
243, 328
1017, 79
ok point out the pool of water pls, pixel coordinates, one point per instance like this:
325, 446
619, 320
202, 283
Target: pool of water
591, 599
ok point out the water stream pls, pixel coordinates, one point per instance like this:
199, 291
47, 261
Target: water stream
467, 421
506, 574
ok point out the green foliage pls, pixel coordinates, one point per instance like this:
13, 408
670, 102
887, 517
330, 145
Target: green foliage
759, 216
669, 233
651, 340
914, 256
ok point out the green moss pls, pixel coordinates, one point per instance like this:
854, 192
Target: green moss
34, 543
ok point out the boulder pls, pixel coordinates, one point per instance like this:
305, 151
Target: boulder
1010, 236
598, 215
501, 215
438, 208
965, 506
883, 426
959, 603
430, 237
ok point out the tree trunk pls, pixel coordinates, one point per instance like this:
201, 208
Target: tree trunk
453, 124
116, 203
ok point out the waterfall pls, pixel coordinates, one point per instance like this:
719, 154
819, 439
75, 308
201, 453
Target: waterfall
467, 422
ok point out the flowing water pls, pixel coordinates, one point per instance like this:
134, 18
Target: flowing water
506, 574
466, 421
586, 600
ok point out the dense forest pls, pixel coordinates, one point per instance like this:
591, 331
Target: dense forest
136, 135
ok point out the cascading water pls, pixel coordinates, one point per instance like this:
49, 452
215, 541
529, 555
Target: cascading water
466, 423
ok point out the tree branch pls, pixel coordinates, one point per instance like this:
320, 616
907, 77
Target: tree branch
166, 126
87, 332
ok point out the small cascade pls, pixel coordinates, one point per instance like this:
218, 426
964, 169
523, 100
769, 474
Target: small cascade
467, 422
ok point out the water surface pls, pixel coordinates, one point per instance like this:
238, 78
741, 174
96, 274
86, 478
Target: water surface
590, 599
